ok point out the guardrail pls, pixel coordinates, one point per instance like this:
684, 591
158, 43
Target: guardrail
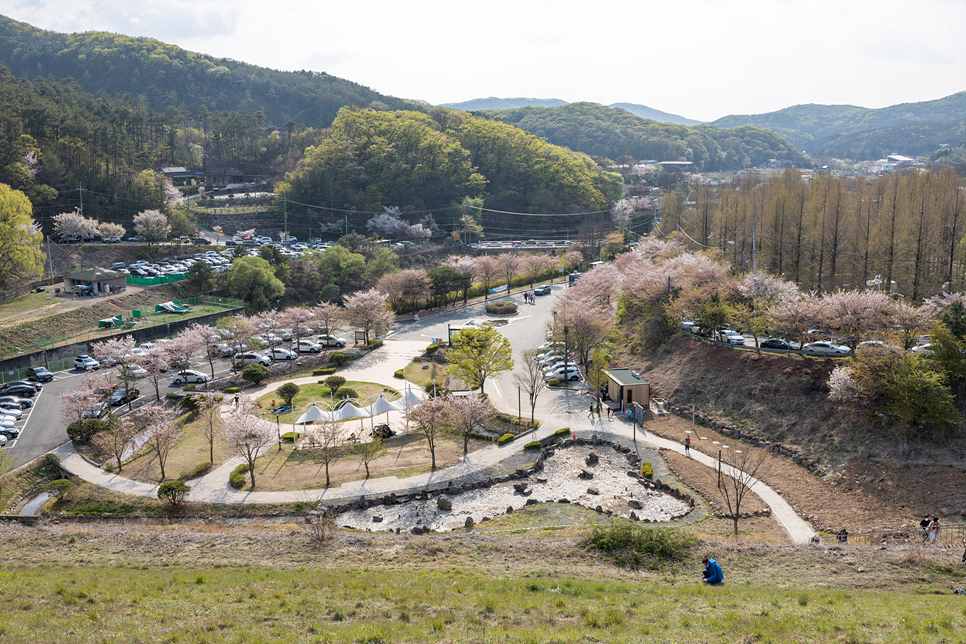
949, 535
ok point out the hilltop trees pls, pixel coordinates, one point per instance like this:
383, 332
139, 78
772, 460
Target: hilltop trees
21, 257
253, 280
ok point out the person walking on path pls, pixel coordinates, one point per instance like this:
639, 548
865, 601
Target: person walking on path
687, 445
590, 412
934, 530
236, 400
712, 572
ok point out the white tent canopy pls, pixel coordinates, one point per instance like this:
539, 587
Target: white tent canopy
381, 406
313, 413
348, 410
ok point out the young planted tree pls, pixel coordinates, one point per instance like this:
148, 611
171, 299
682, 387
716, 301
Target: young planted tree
530, 380
369, 311
207, 413
327, 442
478, 353
371, 451
597, 372
287, 392
486, 269
466, 415
737, 477
163, 428
119, 434
244, 433
431, 420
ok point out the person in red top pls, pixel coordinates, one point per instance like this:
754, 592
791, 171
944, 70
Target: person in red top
687, 445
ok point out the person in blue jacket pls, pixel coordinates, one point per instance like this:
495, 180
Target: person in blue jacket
712, 572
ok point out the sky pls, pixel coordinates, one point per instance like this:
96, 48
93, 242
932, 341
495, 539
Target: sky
701, 59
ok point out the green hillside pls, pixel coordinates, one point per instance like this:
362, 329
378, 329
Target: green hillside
168, 76
811, 126
612, 133
912, 138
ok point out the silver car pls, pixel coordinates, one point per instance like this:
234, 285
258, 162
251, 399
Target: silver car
826, 349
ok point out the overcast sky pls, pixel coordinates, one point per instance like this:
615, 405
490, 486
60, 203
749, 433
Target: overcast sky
701, 59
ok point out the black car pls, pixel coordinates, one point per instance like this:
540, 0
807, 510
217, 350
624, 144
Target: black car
122, 396
25, 391
35, 385
778, 343
40, 374
24, 403
230, 242
9, 432
88, 238
201, 241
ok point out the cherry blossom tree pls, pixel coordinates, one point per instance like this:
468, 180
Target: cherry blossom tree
237, 331
162, 427
909, 321
117, 351
853, 313
117, 437
432, 421
187, 343
108, 229
369, 311
74, 224
404, 287
328, 317
467, 414
536, 265
509, 267
327, 442
207, 411
485, 271
297, 320
152, 225
530, 379
155, 363
571, 260
463, 265
799, 315
244, 433
74, 402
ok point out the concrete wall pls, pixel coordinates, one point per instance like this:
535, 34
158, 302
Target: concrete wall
147, 334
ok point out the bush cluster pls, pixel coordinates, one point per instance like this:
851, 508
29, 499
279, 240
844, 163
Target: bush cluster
374, 344
398, 373
501, 308
563, 431
433, 348
237, 479
60, 487
533, 445
647, 470
637, 547
344, 393
84, 430
231, 390
555, 382
195, 472
174, 492
506, 438
339, 358
255, 373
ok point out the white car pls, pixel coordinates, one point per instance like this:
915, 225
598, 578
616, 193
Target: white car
16, 414
86, 362
251, 358
331, 341
731, 337
278, 353
826, 349
189, 375
922, 349
307, 346
572, 373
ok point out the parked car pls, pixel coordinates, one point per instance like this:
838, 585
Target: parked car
40, 374
542, 290
826, 349
189, 375
9, 432
922, 349
778, 343
307, 346
95, 411
251, 358
36, 385
278, 353
331, 341
731, 337
24, 391
85, 362
571, 373
201, 241
25, 403
16, 414
3, 441
111, 240
8, 405
122, 396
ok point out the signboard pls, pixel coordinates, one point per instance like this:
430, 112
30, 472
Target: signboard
498, 289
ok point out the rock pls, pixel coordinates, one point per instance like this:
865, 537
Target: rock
634, 503
593, 490
484, 519
532, 501
417, 530
592, 459
563, 501
520, 487
469, 522
509, 509
377, 518
634, 516
389, 499
541, 480
585, 475
599, 509
443, 503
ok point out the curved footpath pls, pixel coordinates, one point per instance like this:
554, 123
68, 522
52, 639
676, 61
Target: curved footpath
378, 367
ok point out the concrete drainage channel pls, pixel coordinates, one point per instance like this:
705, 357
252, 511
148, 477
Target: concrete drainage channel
597, 474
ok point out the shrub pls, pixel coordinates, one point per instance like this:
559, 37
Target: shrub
191, 401
398, 373
434, 388
195, 471
345, 393
374, 344
255, 373
291, 436
189, 387
647, 470
636, 547
231, 390
241, 469
533, 445
563, 431
84, 430
174, 492
555, 382
334, 382
432, 348
58, 488
51, 461
501, 308
237, 481
328, 371
339, 358
506, 438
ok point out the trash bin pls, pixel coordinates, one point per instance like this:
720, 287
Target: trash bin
628, 414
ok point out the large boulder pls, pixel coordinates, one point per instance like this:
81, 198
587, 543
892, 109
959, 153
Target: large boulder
444, 503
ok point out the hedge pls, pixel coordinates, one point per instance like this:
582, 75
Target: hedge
328, 371
533, 445
647, 470
374, 344
563, 431
432, 348
291, 436
555, 382
398, 373
195, 471
506, 438
238, 479
232, 390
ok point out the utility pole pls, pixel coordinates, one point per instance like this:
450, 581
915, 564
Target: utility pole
80, 192
285, 210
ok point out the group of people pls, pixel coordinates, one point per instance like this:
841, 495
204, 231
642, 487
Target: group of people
929, 530
529, 297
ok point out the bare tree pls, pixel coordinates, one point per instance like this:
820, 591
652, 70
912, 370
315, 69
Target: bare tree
208, 415
327, 442
118, 436
530, 380
116, 351
738, 477
371, 451
431, 421
509, 266
245, 433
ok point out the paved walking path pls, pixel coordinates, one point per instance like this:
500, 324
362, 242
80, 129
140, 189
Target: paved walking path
379, 366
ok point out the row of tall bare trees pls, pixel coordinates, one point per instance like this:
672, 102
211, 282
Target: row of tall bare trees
834, 232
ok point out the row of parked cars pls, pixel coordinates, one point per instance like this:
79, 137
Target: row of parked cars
14, 398
555, 362
304, 345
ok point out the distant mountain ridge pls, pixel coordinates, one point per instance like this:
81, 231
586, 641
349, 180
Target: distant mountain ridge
494, 103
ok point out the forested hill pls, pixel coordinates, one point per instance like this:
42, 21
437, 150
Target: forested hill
168, 76
941, 140
493, 103
817, 128
612, 133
